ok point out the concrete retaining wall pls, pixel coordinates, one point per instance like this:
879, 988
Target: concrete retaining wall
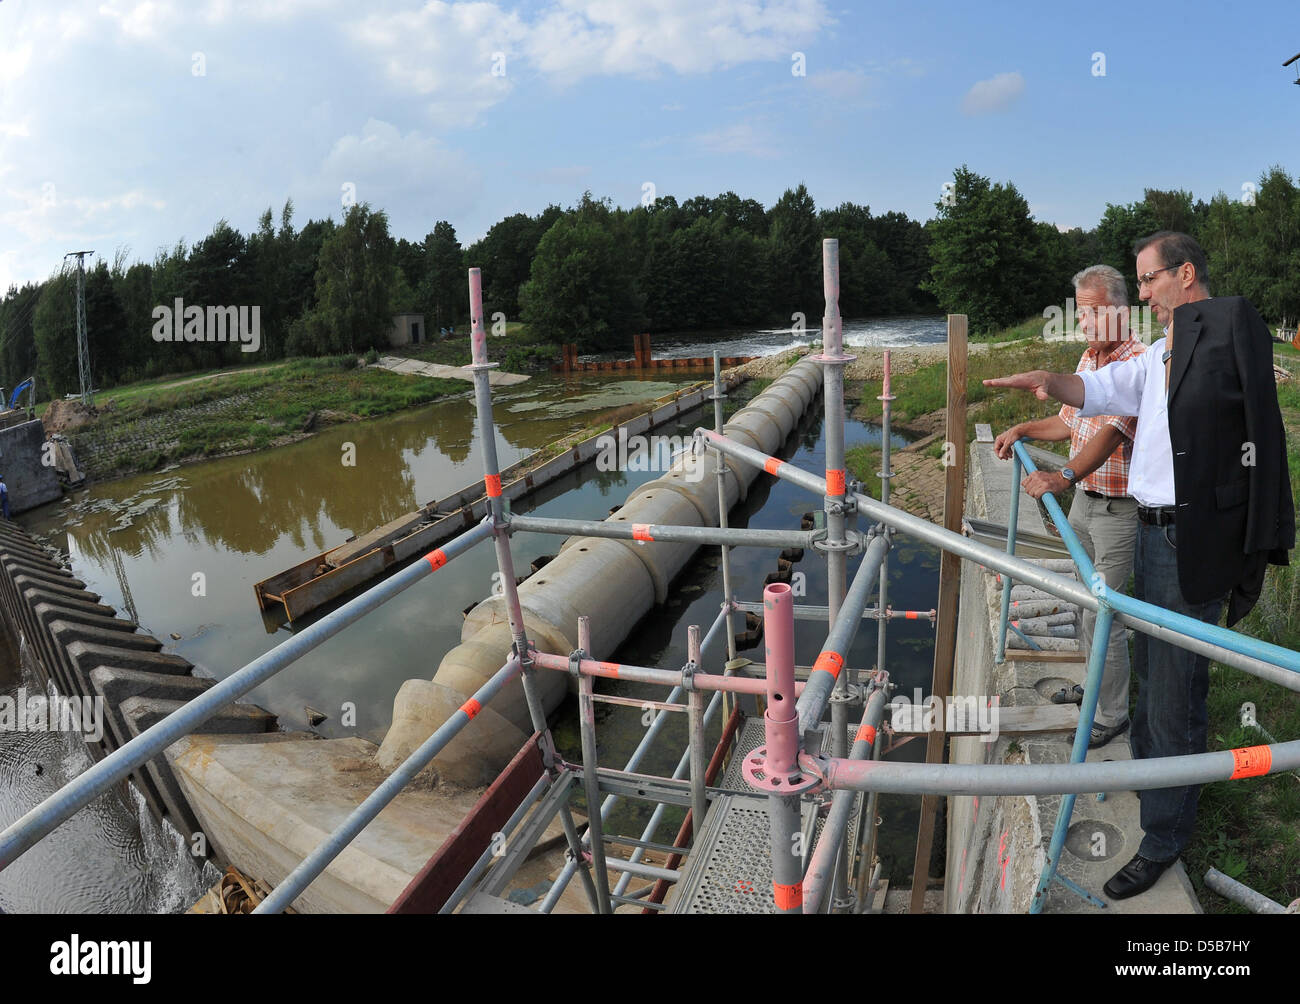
615, 582
87, 651
997, 846
30, 482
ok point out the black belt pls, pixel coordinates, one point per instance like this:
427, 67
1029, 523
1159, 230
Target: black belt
1101, 495
1162, 515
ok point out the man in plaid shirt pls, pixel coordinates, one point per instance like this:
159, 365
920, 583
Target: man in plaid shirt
1103, 513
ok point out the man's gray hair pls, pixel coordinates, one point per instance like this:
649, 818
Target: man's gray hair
1105, 280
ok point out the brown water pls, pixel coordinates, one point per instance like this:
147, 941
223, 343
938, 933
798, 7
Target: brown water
179, 551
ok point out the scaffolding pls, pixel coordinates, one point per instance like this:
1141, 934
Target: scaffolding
758, 835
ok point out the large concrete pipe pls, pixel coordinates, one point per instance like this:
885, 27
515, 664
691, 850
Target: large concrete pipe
615, 582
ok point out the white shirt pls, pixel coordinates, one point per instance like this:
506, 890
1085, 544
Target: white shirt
1137, 387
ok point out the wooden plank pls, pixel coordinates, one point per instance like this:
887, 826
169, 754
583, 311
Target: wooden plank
378, 537
1025, 655
1011, 721
945, 641
438, 879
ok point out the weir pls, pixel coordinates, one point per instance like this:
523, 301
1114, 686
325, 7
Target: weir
755, 838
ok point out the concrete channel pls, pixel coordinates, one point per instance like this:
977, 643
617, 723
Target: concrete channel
85, 650
268, 804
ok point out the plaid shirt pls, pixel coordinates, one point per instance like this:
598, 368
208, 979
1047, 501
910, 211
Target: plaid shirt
1111, 478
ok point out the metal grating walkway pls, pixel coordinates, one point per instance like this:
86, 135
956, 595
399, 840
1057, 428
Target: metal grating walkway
730, 868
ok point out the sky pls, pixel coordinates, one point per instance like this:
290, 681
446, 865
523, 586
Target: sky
126, 126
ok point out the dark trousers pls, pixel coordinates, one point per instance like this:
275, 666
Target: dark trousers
1171, 718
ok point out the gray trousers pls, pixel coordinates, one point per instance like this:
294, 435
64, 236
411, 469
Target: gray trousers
1107, 528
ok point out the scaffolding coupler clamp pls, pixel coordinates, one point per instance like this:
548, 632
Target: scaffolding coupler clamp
852, 694
688, 676
854, 542
575, 657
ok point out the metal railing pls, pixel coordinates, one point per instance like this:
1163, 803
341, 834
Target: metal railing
798, 759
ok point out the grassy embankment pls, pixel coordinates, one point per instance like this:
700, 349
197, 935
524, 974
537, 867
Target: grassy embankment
516, 351
144, 426
1249, 829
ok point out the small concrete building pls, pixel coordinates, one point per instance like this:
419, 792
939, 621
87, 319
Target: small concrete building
408, 329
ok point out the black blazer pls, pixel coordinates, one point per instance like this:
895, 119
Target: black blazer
1234, 515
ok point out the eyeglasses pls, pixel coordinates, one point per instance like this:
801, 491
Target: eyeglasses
1145, 278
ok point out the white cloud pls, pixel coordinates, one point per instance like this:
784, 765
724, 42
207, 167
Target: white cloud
993, 95
391, 169
447, 54
579, 38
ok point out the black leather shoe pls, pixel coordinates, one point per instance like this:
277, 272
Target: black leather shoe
1137, 876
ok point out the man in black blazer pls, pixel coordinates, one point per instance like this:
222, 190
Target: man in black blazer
1209, 473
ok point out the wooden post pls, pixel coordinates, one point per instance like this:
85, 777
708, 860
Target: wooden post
945, 639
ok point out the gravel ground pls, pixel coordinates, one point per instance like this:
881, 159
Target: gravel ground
869, 364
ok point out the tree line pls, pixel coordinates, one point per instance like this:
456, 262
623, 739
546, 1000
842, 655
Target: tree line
595, 273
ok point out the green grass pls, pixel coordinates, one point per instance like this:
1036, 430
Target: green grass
516, 351
1250, 828
863, 463
926, 389
282, 402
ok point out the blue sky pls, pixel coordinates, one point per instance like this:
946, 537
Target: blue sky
111, 137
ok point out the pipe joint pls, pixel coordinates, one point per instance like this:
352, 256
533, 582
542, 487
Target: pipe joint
763, 774
854, 542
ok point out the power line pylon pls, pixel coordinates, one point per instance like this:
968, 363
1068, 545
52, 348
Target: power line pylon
83, 345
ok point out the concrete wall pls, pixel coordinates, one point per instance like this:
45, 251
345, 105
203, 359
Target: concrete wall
30, 482
85, 650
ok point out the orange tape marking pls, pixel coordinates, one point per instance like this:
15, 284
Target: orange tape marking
911, 615
773, 465
471, 708
867, 732
609, 667
1251, 761
641, 531
493, 483
788, 897
835, 482
436, 559
829, 662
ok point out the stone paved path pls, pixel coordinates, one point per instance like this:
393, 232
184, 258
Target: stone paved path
496, 378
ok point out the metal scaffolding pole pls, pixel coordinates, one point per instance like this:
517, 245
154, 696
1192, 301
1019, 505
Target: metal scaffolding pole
826, 670
728, 596
783, 742
827, 851
1054, 778
663, 532
590, 764
1259, 658
699, 754
652, 734
81, 790
492, 485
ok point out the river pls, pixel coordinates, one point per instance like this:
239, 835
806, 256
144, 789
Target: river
179, 551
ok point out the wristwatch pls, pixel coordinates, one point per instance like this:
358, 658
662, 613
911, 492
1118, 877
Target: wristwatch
1069, 475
